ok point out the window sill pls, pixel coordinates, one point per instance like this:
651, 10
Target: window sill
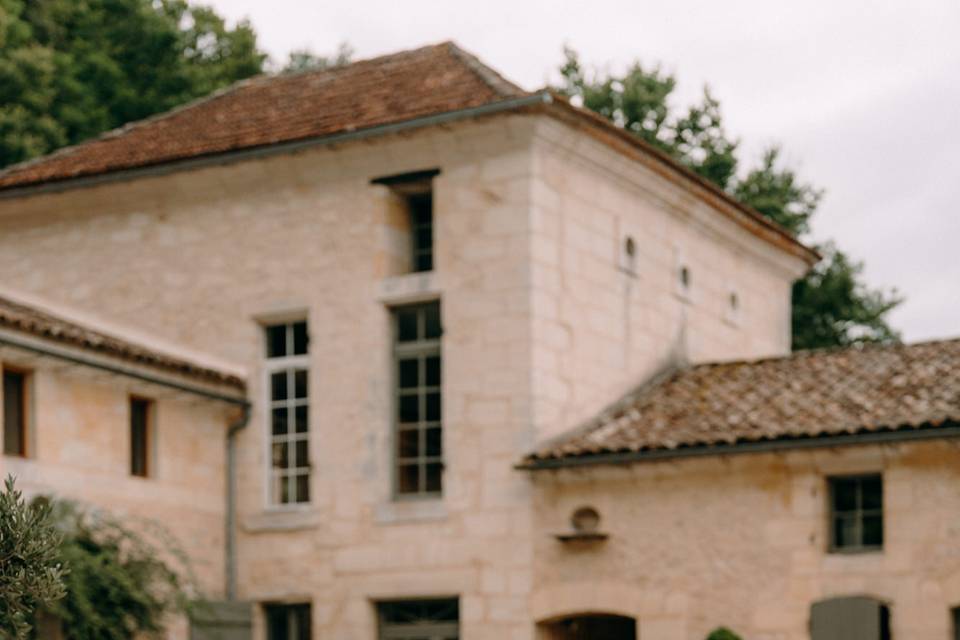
408, 288
294, 519
404, 511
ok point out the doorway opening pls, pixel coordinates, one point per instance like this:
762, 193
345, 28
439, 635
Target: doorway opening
590, 627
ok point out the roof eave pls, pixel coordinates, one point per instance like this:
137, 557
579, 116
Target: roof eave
947, 430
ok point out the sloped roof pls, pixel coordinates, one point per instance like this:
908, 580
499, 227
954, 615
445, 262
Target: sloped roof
267, 110
36, 323
806, 396
397, 90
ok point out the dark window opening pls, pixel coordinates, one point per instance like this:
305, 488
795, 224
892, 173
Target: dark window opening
288, 621
856, 513
591, 627
14, 413
140, 410
955, 616
418, 420
416, 190
435, 619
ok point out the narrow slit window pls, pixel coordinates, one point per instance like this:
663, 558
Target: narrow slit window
288, 377
141, 411
418, 432
14, 413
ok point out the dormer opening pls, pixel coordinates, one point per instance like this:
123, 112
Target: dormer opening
413, 196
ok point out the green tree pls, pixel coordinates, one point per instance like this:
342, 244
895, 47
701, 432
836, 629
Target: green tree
307, 60
70, 70
31, 574
832, 306
122, 583
722, 633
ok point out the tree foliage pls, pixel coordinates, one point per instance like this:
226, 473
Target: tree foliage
31, 573
70, 70
722, 633
307, 60
832, 306
122, 583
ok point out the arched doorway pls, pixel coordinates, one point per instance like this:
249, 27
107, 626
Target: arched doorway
590, 627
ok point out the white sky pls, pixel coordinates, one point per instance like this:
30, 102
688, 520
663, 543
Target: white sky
864, 96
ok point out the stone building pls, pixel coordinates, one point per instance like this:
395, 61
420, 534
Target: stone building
401, 350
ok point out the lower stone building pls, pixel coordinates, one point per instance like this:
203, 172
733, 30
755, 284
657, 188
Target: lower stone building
353, 335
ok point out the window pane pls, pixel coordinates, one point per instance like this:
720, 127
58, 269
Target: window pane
300, 338
423, 262
302, 417
873, 531
845, 532
277, 624
406, 325
409, 408
277, 341
434, 441
300, 383
424, 238
432, 320
279, 491
409, 443
433, 371
409, 478
301, 457
845, 494
14, 413
279, 455
303, 488
434, 476
279, 421
433, 407
872, 492
278, 385
409, 373
301, 614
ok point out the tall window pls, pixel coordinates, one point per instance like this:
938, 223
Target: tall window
420, 620
856, 513
288, 621
140, 417
14, 413
288, 383
419, 431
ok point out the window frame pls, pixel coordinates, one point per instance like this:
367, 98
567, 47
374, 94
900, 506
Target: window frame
25, 411
287, 363
859, 513
405, 631
289, 609
422, 348
149, 466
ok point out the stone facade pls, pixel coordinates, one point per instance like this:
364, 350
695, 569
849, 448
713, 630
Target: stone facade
546, 319
743, 541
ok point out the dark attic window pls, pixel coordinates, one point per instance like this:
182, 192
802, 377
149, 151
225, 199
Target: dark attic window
416, 191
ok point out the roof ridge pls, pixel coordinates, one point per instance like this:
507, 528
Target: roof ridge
493, 78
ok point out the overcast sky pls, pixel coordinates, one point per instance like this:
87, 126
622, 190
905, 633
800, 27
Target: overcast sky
864, 96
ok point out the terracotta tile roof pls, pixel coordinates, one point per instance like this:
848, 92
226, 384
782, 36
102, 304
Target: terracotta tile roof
40, 324
804, 396
389, 90
271, 109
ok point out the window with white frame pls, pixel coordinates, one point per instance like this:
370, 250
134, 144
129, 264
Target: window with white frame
287, 365
418, 423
